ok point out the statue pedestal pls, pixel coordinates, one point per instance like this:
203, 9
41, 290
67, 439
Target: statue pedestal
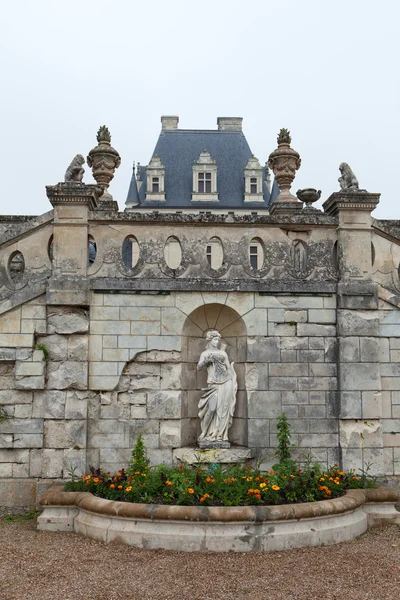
194, 455
208, 444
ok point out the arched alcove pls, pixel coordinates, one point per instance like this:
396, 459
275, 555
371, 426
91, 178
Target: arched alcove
233, 333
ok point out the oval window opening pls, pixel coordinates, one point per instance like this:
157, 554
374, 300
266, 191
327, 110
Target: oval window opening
16, 266
92, 251
173, 253
256, 254
372, 254
130, 252
50, 248
215, 253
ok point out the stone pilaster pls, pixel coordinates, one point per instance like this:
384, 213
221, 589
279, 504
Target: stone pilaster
72, 203
359, 376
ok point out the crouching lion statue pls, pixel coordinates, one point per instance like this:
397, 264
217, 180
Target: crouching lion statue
75, 170
348, 181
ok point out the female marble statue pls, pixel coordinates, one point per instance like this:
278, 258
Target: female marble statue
217, 405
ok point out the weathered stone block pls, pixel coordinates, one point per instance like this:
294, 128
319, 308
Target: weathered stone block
95, 348
7, 354
294, 397
68, 374
138, 412
360, 376
14, 456
283, 329
28, 440
311, 356
164, 404
67, 320
76, 404
21, 426
110, 327
282, 383
111, 341
263, 349
78, 347
294, 343
144, 376
23, 411
349, 349
171, 376
30, 383
360, 323
64, 434
277, 315
321, 315
256, 322
289, 356
170, 434
323, 369
310, 329
129, 341
264, 405
295, 316
104, 313
25, 368
350, 405
167, 342
56, 346
317, 425
317, 383
52, 463
258, 433
16, 340
318, 440
49, 404
370, 349
74, 460
15, 397
116, 354
361, 434
287, 369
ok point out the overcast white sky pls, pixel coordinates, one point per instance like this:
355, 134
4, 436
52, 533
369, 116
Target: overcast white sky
328, 71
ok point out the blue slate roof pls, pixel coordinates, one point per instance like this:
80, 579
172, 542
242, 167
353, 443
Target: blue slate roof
178, 149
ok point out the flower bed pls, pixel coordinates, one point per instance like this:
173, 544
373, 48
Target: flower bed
235, 486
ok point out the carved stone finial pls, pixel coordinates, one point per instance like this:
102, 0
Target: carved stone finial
284, 162
138, 172
103, 134
348, 181
75, 170
103, 159
284, 136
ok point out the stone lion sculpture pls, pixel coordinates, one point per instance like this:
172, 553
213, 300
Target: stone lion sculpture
75, 170
348, 181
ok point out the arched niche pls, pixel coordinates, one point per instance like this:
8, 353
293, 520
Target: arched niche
233, 332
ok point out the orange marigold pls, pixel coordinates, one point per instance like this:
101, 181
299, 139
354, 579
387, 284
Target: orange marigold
168, 483
276, 487
112, 486
190, 490
120, 487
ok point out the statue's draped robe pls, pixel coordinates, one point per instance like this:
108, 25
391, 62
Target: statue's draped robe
220, 397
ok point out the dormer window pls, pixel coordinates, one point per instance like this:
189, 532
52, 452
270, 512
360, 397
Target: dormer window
205, 179
204, 183
253, 191
253, 185
155, 172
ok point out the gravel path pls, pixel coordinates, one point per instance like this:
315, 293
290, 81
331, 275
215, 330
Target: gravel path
38, 565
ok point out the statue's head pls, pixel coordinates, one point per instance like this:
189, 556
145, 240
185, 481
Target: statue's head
79, 159
344, 167
213, 338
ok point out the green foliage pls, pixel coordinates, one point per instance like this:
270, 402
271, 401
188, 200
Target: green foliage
43, 348
283, 436
3, 415
31, 514
139, 461
237, 485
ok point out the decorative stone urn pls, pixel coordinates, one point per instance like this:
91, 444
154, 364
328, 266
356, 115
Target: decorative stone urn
284, 162
103, 160
309, 195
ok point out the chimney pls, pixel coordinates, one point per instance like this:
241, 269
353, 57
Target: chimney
169, 122
229, 123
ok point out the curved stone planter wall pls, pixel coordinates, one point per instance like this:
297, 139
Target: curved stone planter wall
218, 529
